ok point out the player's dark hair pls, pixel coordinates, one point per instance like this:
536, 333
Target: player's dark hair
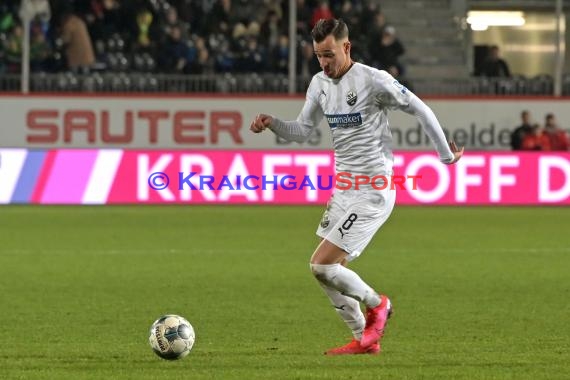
325, 27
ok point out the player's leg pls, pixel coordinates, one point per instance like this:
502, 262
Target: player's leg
346, 307
345, 238
377, 317
345, 289
328, 270
345, 241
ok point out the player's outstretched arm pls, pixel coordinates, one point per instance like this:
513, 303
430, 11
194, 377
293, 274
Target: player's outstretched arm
448, 151
295, 130
260, 123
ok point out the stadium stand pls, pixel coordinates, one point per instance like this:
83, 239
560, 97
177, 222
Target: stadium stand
234, 46
434, 41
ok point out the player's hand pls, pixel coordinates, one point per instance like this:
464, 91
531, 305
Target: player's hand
457, 153
260, 123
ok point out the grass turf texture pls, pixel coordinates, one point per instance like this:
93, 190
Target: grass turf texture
479, 293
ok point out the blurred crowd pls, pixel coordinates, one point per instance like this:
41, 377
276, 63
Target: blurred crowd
186, 36
530, 135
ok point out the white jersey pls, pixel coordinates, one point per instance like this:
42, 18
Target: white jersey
356, 109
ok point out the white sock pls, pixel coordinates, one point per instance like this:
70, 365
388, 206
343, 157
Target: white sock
348, 309
346, 282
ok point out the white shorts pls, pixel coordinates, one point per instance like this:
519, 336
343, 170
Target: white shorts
353, 217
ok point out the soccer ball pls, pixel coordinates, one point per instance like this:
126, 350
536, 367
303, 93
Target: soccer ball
171, 337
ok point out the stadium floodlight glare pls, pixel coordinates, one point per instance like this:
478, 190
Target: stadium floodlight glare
481, 20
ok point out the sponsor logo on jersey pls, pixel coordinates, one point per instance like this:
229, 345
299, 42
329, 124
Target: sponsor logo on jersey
400, 87
344, 120
351, 98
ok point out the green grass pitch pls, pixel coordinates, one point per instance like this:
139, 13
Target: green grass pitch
479, 293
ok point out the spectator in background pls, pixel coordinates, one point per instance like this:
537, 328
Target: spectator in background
219, 18
6, 19
322, 11
225, 59
521, 131
172, 21
271, 30
374, 30
558, 137
73, 35
201, 64
386, 55
304, 15
176, 54
275, 6
103, 19
245, 11
279, 56
351, 16
253, 58
192, 13
13, 49
494, 66
370, 11
307, 63
78, 47
537, 139
40, 49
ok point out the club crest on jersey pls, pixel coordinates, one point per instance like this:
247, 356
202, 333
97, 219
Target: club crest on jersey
351, 98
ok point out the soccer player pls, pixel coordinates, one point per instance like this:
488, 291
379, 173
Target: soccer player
355, 99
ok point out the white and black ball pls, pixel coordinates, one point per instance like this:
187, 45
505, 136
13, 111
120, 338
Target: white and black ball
171, 337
